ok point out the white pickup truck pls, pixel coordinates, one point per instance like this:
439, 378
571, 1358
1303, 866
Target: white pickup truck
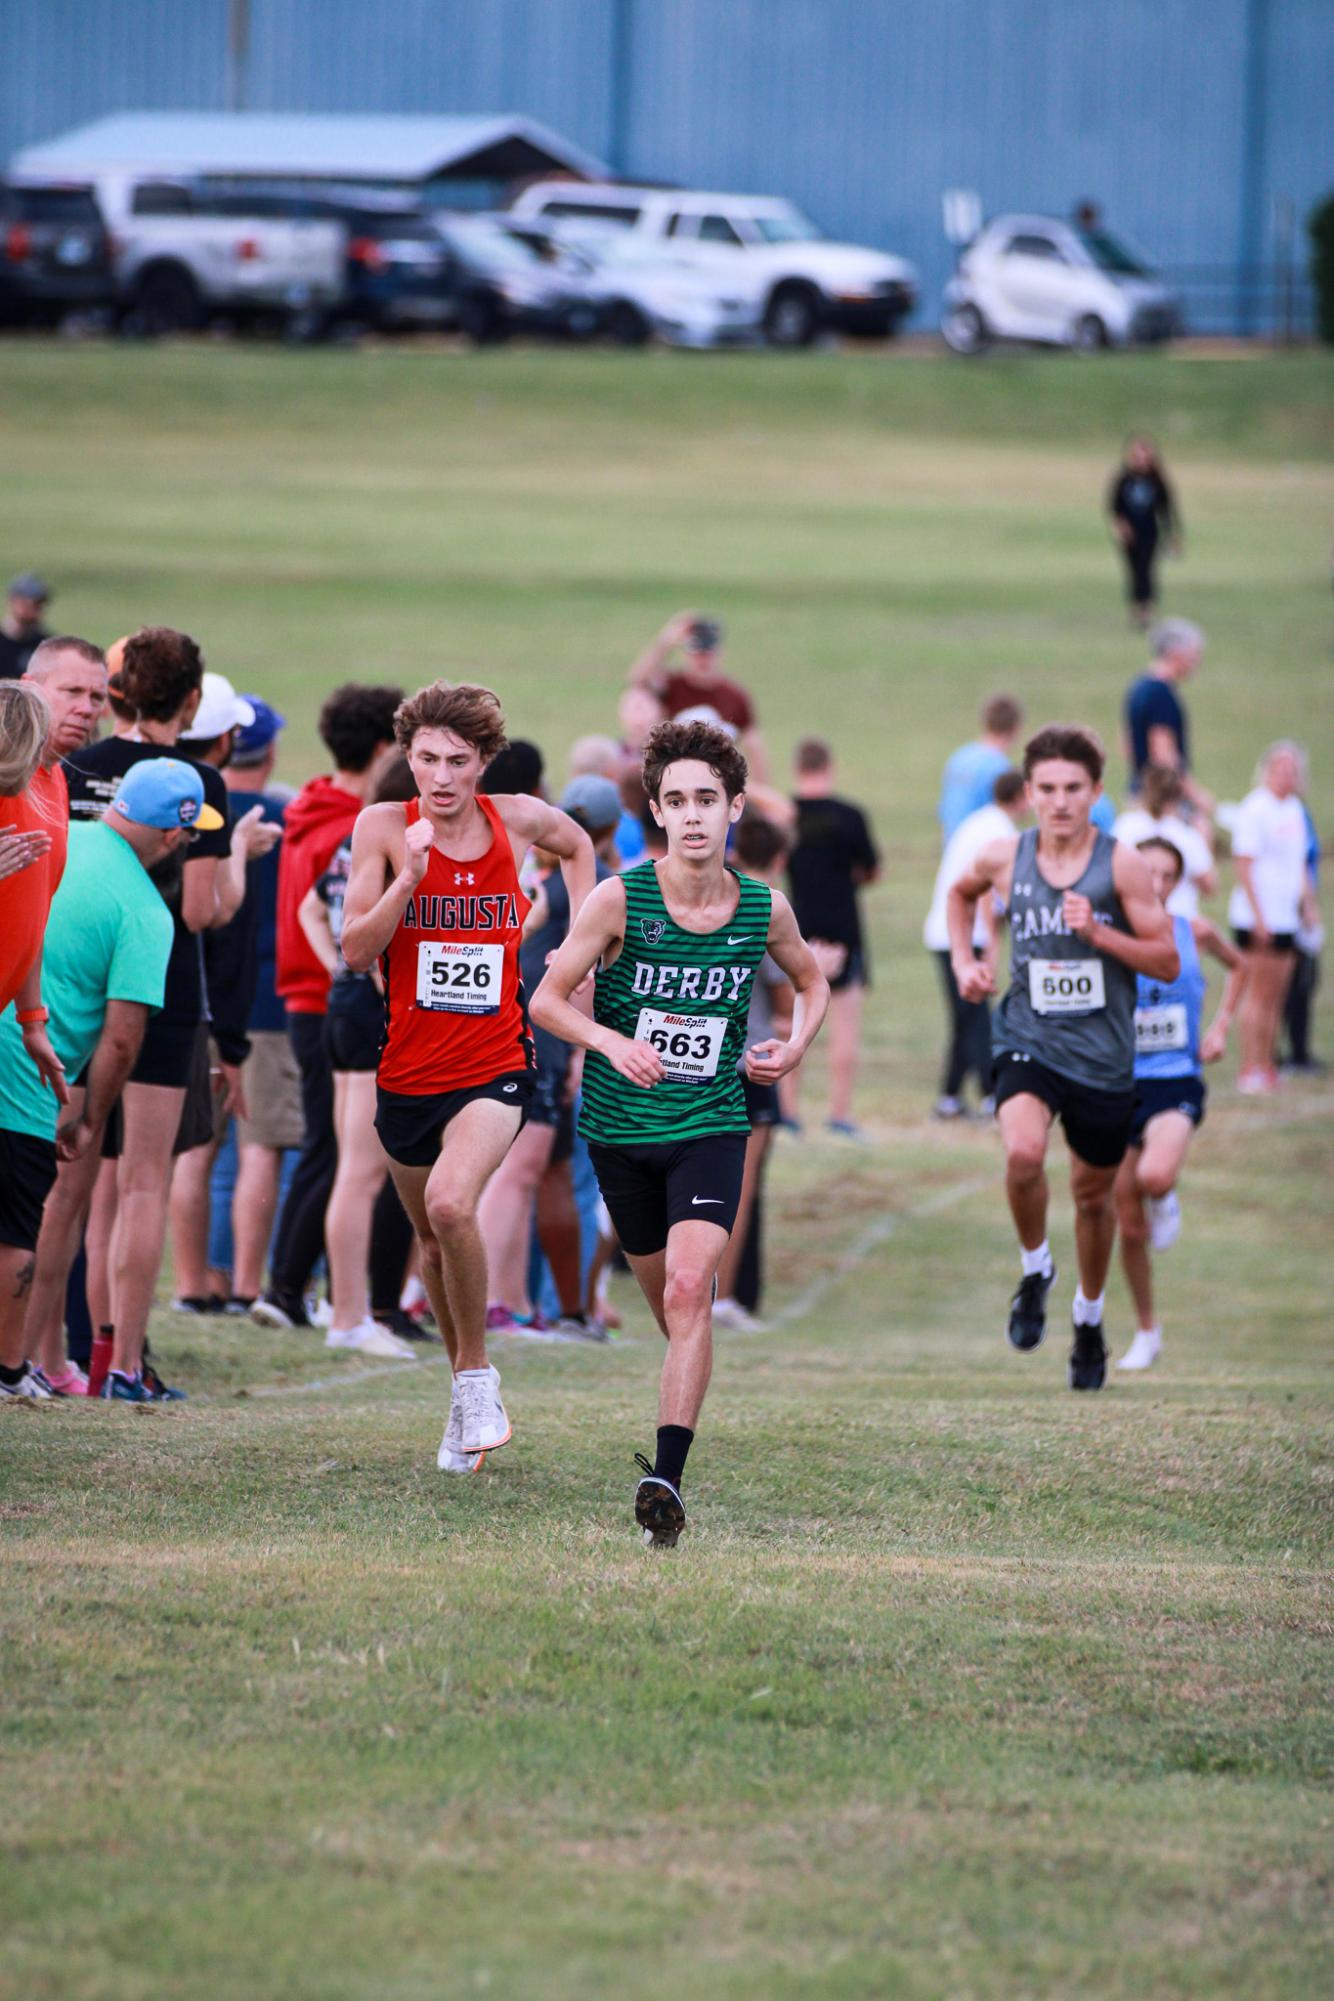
184, 253
809, 284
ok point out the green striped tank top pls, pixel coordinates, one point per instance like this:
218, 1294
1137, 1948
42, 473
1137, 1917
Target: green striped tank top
688, 994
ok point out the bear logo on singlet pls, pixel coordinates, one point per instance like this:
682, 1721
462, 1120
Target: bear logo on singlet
652, 928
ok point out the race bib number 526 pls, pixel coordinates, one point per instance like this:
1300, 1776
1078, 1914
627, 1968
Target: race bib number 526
458, 978
1066, 986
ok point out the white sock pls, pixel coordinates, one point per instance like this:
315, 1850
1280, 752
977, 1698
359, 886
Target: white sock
472, 1372
1149, 1333
1038, 1260
1088, 1312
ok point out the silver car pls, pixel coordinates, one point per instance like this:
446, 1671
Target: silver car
1035, 278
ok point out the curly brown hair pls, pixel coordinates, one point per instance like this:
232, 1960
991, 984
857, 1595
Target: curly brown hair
160, 669
465, 709
671, 743
1071, 742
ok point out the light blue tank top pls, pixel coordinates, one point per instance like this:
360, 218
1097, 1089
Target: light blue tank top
1167, 1014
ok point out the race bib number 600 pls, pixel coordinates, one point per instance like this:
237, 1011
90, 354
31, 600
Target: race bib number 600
689, 1044
1066, 986
458, 978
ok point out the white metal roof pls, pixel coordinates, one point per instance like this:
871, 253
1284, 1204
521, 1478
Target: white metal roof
337, 145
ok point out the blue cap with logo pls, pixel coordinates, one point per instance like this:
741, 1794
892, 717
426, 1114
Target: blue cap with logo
252, 739
166, 792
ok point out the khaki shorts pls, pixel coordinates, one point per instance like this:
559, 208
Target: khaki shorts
272, 1084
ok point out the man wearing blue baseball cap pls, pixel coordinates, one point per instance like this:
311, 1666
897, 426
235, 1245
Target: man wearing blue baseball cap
108, 939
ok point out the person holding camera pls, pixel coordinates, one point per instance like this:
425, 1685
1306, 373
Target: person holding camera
698, 681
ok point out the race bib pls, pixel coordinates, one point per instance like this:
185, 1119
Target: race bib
1161, 1028
458, 978
689, 1044
1066, 986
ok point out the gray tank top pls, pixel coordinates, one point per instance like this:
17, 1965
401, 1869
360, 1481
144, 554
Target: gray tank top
1068, 1006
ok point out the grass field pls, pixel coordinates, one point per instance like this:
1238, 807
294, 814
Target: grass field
959, 1686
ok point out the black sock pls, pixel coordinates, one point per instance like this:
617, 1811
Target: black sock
15, 1376
673, 1445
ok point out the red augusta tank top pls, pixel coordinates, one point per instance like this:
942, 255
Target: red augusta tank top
455, 1005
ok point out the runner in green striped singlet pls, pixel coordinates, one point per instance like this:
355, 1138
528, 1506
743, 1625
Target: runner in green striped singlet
675, 945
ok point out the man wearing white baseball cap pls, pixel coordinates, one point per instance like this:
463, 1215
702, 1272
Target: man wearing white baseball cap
221, 710
108, 940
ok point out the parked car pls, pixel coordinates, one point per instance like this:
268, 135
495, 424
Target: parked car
511, 281
810, 284
1035, 278
644, 291
55, 253
183, 255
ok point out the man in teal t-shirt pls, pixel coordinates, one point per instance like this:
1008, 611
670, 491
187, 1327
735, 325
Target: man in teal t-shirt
104, 961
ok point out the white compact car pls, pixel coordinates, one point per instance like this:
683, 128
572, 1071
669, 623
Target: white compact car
808, 283
642, 291
1034, 278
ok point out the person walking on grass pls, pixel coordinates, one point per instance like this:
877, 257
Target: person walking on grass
676, 946
833, 858
1157, 728
968, 781
1143, 512
1170, 1053
434, 892
1084, 922
1272, 899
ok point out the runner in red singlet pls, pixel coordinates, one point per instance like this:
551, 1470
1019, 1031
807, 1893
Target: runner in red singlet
434, 894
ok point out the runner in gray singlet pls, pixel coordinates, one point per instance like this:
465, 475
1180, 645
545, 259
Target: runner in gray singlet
1084, 922
1072, 1009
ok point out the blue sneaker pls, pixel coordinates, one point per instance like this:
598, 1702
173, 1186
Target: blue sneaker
124, 1389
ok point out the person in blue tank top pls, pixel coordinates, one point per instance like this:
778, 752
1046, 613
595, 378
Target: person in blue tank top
1083, 921
1170, 1053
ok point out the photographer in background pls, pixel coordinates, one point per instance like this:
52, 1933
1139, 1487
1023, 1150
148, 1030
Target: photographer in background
700, 682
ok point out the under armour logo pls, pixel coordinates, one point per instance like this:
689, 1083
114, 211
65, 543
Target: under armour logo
462, 877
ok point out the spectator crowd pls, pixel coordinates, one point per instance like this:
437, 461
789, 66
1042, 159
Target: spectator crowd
185, 1054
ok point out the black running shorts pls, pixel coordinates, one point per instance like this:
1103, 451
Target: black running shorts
1155, 1095
354, 1024
27, 1176
647, 1189
411, 1127
1097, 1123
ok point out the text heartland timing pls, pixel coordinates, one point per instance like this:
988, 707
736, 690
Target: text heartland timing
462, 913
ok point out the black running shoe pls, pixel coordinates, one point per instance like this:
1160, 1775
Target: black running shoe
659, 1509
401, 1323
1028, 1311
1088, 1359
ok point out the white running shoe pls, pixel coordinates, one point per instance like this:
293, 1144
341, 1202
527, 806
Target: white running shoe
482, 1415
1143, 1351
451, 1458
731, 1313
1164, 1221
31, 1387
370, 1338
319, 1312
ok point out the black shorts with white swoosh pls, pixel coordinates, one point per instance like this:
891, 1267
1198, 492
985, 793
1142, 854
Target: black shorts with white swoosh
650, 1187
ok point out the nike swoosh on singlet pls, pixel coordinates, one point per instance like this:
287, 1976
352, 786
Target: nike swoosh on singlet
699, 1201
743, 939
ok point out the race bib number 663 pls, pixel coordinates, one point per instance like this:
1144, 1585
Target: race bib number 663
1066, 986
689, 1044
458, 978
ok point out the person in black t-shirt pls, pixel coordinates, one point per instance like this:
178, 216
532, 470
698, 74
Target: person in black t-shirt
833, 857
1143, 510
161, 676
21, 628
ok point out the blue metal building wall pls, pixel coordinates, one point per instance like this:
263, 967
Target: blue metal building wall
1187, 119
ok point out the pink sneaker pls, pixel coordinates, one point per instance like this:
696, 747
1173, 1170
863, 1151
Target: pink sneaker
69, 1381
499, 1319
